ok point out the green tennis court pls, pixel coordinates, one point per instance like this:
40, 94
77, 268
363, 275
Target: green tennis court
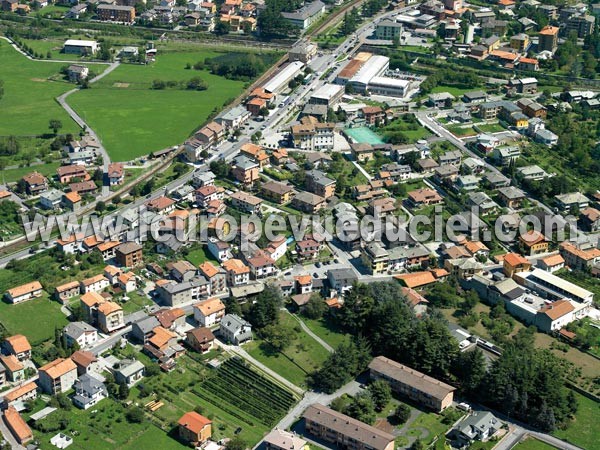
363, 135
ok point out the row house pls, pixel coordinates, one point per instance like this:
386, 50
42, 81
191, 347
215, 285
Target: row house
75, 171
277, 192
245, 202
175, 294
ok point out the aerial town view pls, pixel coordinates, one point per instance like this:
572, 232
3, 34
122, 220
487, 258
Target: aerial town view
300, 224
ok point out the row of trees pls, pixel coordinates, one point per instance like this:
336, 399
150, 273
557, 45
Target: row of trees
236, 66
524, 382
193, 84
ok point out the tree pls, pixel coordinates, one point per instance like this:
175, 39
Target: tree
152, 370
135, 414
469, 369
417, 445
197, 84
148, 187
123, 391
236, 443
179, 169
277, 336
315, 308
265, 310
362, 408
222, 28
263, 112
100, 206
381, 393
55, 125
347, 361
471, 300
401, 414
136, 191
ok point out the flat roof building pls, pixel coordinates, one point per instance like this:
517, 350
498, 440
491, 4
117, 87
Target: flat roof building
280, 81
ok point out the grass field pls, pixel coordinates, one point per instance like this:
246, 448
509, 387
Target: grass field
36, 318
303, 356
29, 92
533, 444
325, 330
13, 175
105, 427
583, 431
199, 255
427, 426
489, 127
134, 120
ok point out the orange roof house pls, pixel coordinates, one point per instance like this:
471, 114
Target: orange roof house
19, 346
416, 279
17, 426
25, 391
24, 292
194, 428
513, 262
557, 309
533, 242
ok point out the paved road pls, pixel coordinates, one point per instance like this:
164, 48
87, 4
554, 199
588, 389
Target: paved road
82, 124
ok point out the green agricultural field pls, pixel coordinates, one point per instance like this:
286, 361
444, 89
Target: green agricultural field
30, 88
133, 120
302, 357
533, 444
36, 319
583, 430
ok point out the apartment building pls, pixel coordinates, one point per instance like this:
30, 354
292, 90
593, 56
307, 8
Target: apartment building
417, 386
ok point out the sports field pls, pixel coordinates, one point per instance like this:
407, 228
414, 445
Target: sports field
30, 88
133, 120
363, 135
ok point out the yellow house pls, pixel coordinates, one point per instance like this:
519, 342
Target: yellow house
533, 243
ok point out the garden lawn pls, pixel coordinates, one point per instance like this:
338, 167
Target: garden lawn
133, 120
105, 427
489, 127
37, 319
326, 330
457, 92
13, 175
533, 444
29, 92
583, 431
303, 356
199, 255
427, 426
